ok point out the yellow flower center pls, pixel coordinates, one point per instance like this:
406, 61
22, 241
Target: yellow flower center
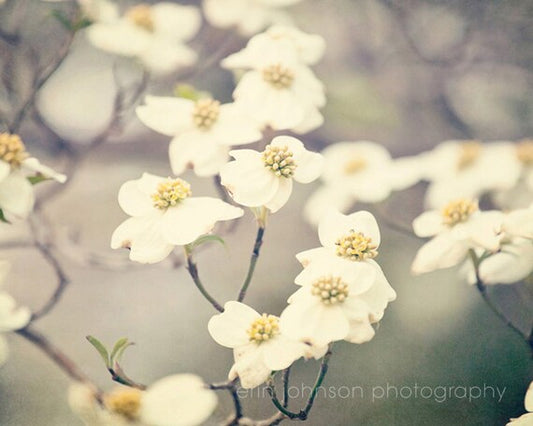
141, 16
279, 160
354, 165
12, 149
205, 113
330, 290
170, 193
470, 152
458, 211
278, 76
356, 247
524, 152
124, 401
263, 329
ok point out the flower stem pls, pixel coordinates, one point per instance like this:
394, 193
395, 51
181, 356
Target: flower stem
253, 261
286, 377
231, 387
319, 379
193, 272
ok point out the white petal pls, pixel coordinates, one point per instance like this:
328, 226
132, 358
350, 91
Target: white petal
175, 22
247, 179
335, 225
167, 115
519, 223
235, 127
11, 316
360, 332
16, 196
249, 366
133, 201
325, 198
512, 264
224, 13
179, 400
120, 38
142, 235
193, 217
308, 164
162, 57
441, 252
282, 195
312, 255
35, 165
5, 169
312, 120
428, 224
528, 400
280, 352
229, 328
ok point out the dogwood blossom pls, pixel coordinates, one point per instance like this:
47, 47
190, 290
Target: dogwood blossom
280, 91
358, 171
343, 289
248, 16
202, 131
11, 317
178, 400
153, 34
164, 215
16, 192
519, 223
258, 345
469, 169
265, 178
455, 229
525, 419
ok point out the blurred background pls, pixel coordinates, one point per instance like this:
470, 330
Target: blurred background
406, 74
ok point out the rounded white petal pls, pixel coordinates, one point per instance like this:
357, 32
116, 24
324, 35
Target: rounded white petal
428, 224
224, 13
162, 57
229, 328
175, 22
307, 256
324, 199
193, 217
519, 223
121, 38
235, 127
143, 236
133, 201
528, 400
443, 251
178, 400
360, 332
16, 196
167, 115
249, 366
5, 169
280, 352
308, 164
335, 225
11, 316
281, 196
513, 263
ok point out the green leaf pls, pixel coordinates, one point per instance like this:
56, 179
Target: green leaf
120, 352
2, 217
120, 346
38, 178
187, 91
101, 349
206, 239
63, 19
82, 23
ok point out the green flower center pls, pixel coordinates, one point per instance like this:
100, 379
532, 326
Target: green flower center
264, 328
278, 76
170, 193
356, 246
330, 290
458, 211
205, 113
279, 160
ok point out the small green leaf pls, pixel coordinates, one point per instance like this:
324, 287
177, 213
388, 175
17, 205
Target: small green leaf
63, 19
187, 91
2, 217
206, 239
38, 178
118, 349
101, 349
120, 352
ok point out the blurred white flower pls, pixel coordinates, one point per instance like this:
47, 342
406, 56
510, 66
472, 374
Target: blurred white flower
16, 192
258, 345
455, 229
99, 10
153, 34
279, 91
519, 223
257, 179
307, 48
359, 171
164, 216
11, 317
469, 169
178, 400
525, 419
248, 16
202, 131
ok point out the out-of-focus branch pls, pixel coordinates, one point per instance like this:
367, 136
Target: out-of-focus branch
231, 387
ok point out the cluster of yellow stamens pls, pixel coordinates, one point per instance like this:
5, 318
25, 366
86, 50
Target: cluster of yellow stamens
12, 149
125, 402
205, 113
264, 328
279, 160
278, 76
354, 165
331, 290
524, 151
170, 193
141, 16
356, 246
458, 211
470, 152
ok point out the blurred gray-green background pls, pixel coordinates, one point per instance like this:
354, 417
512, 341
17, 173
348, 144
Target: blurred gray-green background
407, 74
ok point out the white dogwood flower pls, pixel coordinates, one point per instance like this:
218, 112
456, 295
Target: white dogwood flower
525, 419
163, 216
455, 229
265, 178
469, 169
153, 34
202, 131
307, 48
279, 91
519, 223
16, 192
178, 400
11, 317
248, 16
258, 345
